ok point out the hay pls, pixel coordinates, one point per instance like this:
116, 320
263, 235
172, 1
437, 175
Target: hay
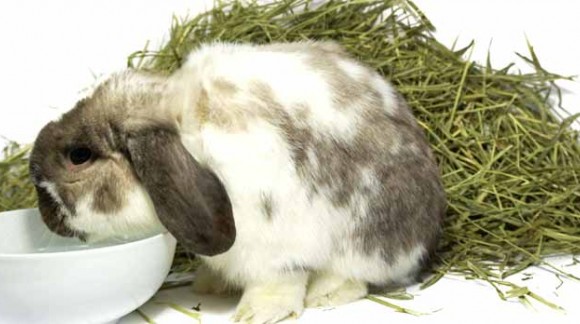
511, 169
16, 189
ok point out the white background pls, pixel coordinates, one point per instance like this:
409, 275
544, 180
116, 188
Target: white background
52, 51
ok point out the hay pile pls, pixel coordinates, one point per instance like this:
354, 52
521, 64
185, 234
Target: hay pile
16, 190
510, 167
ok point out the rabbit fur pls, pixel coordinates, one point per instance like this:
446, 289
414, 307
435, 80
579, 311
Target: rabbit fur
296, 173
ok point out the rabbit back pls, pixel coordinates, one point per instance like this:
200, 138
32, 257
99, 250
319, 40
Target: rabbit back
324, 163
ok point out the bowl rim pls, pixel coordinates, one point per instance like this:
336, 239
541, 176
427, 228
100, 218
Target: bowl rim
84, 252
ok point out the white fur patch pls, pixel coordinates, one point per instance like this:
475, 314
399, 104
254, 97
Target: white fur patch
406, 264
352, 69
136, 219
388, 93
372, 267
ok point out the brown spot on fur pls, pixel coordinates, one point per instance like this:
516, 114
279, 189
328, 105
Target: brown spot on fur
301, 112
295, 129
323, 56
332, 157
225, 88
107, 198
348, 91
202, 111
399, 211
267, 206
217, 105
112, 186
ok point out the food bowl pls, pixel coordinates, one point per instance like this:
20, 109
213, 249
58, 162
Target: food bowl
45, 278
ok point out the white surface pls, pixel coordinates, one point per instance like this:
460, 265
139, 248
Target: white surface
52, 49
49, 279
452, 300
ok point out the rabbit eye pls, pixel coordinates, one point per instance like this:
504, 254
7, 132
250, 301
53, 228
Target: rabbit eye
80, 155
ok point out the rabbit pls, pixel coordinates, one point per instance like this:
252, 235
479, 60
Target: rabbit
296, 173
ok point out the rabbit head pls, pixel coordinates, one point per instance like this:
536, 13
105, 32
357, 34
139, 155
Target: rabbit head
115, 166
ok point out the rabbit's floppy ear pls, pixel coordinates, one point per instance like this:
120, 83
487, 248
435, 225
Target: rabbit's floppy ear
190, 200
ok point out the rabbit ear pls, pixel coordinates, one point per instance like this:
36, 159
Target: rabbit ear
190, 201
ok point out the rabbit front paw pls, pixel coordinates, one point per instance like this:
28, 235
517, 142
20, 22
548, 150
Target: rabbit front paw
272, 302
327, 289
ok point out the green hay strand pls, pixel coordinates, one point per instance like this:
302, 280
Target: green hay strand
195, 315
144, 316
395, 307
16, 190
511, 168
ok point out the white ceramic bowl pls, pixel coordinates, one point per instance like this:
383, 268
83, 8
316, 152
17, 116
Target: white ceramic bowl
45, 278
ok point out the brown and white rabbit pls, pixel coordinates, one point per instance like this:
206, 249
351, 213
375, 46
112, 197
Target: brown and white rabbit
298, 174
